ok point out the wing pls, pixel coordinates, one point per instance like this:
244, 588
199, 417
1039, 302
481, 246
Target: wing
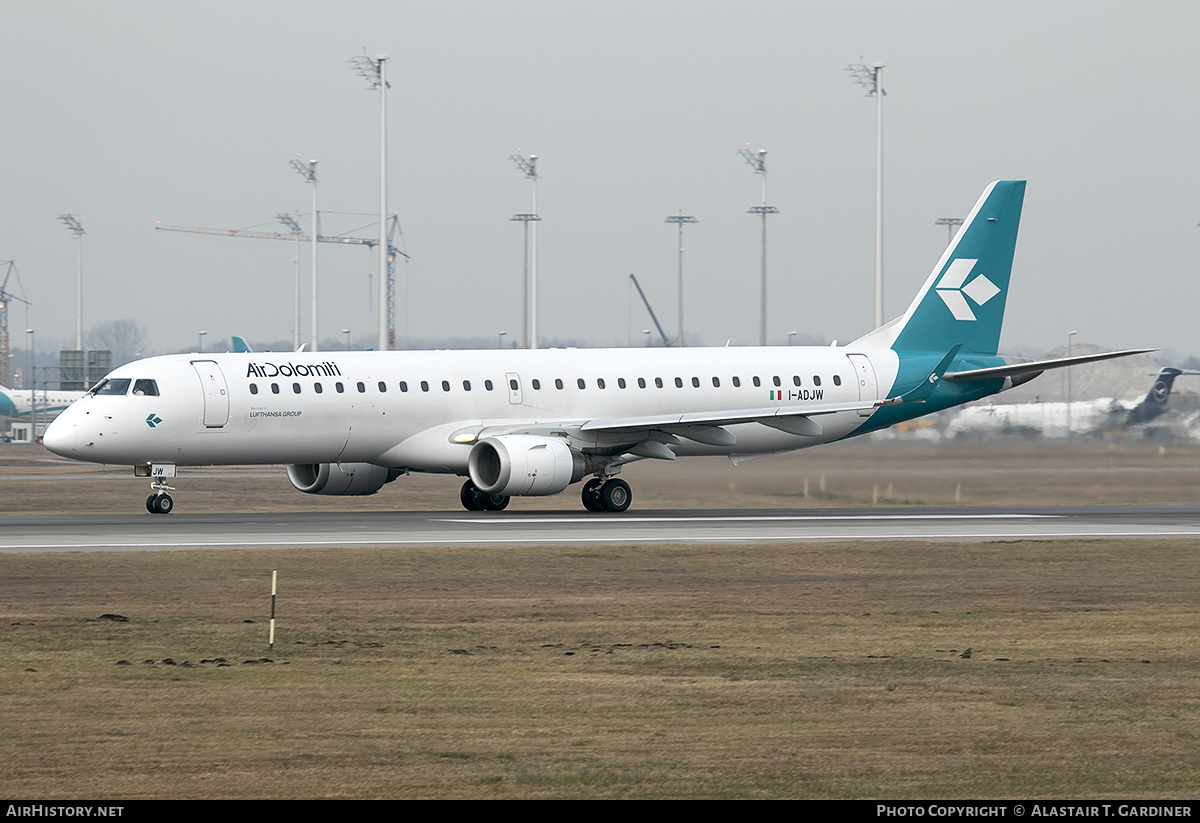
650, 435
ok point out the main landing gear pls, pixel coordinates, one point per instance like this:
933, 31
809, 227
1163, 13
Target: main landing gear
612, 495
474, 500
599, 495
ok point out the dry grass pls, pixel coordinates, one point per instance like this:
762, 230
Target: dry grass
855, 473
810, 670
815, 670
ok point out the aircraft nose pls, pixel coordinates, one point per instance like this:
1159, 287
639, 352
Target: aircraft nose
60, 437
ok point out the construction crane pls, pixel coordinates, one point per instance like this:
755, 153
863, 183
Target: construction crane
369, 242
6, 297
657, 325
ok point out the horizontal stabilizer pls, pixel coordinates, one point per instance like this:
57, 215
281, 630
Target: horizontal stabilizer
1035, 367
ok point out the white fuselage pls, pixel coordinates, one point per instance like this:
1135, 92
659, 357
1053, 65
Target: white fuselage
404, 409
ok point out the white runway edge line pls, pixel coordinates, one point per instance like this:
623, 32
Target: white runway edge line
565, 540
519, 521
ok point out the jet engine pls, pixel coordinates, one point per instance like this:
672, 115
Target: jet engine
340, 478
522, 464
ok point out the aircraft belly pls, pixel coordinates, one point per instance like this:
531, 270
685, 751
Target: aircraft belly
429, 450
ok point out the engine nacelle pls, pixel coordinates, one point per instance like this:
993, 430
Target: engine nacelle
340, 478
524, 464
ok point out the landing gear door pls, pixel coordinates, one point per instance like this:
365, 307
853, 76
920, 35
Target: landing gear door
514, 388
864, 373
216, 393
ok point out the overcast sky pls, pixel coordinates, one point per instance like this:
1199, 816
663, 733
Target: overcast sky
127, 113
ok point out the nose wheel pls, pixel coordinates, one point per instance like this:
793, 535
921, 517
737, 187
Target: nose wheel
160, 502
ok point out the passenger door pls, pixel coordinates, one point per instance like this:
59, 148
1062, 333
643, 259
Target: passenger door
216, 393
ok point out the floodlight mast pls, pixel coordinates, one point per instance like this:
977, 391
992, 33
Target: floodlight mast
528, 166
951, 224
678, 219
525, 218
309, 172
869, 78
758, 162
76, 228
294, 226
374, 71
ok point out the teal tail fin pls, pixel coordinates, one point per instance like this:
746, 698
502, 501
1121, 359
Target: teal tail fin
962, 302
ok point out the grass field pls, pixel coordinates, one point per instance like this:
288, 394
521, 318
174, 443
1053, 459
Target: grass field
809, 670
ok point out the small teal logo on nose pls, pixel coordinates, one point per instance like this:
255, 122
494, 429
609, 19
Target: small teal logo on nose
153, 420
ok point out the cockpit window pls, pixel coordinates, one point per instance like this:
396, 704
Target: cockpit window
149, 388
118, 386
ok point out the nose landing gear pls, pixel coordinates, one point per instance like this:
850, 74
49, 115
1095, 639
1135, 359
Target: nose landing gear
160, 502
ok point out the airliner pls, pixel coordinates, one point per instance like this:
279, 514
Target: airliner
1093, 417
534, 422
19, 402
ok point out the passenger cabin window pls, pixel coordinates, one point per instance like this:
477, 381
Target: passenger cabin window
716, 382
796, 379
318, 388
296, 388
118, 386
537, 384
695, 382
816, 380
254, 388
424, 385
837, 380
756, 381
362, 387
145, 387
340, 388
641, 382
580, 383
658, 382
679, 382
621, 382
274, 388
600, 382
557, 383
775, 380
737, 382
445, 385
382, 386
466, 385
403, 385
487, 384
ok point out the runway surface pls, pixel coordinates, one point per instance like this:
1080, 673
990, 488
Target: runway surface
142, 532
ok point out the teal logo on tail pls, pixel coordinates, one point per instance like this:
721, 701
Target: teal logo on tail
950, 288
962, 302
